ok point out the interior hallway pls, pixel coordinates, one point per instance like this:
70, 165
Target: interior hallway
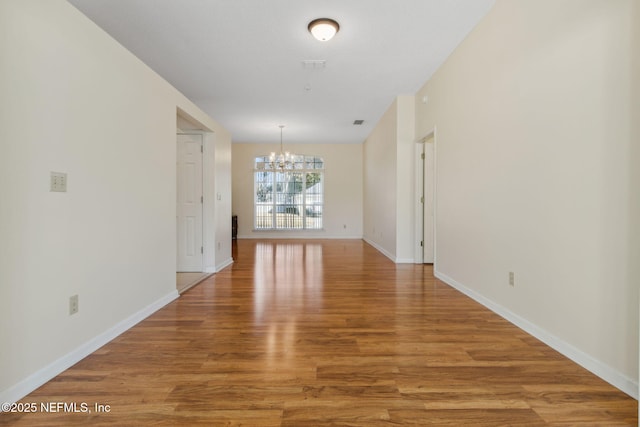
327, 332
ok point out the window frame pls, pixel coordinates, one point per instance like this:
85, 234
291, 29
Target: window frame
303, 208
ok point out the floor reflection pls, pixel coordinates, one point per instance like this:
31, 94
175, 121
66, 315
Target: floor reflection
287, 284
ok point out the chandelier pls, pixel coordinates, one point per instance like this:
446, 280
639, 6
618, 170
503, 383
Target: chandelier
284, 160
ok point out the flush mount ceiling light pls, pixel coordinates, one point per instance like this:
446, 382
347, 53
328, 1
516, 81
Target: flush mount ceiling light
323, 29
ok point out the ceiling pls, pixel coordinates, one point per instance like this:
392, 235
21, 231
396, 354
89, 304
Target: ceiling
242, 61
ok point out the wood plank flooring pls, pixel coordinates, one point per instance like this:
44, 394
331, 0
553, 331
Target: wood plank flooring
327, 333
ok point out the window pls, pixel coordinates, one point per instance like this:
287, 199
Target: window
289, 199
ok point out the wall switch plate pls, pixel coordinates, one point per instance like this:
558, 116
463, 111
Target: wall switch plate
512, 280
58, 182
73, 304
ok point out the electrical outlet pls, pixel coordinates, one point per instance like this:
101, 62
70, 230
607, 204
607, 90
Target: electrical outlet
512, 280
73, 304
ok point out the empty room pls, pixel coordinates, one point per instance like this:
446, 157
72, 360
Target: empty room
319, 213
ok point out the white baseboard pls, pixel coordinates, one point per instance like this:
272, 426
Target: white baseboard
224, 264
606, 372
279, 235
38, 378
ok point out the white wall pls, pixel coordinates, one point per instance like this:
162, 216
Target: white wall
223, 200
342, 191
380, 183
634, 158
73, 100
405, 183
534, 120
389, 182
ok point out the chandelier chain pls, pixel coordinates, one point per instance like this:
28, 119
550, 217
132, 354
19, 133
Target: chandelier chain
283, 160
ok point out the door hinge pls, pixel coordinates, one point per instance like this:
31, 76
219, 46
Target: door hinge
201, 249
202, 150
201, 199
422, 156
421, 199
421, 243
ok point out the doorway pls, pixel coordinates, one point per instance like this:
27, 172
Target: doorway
189, 203
425, 185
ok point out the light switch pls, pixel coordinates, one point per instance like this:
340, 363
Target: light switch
58, 182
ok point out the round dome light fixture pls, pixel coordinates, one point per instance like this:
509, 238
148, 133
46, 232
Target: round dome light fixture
323, 29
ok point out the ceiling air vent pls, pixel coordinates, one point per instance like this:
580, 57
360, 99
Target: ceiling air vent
314, 64
358, 122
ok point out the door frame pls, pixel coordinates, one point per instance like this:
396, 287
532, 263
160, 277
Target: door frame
419, 185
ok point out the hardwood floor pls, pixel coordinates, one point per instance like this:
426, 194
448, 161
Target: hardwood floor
322, 333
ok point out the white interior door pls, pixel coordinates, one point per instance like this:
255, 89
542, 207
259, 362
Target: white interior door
418, 251
429, 208
189, 203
